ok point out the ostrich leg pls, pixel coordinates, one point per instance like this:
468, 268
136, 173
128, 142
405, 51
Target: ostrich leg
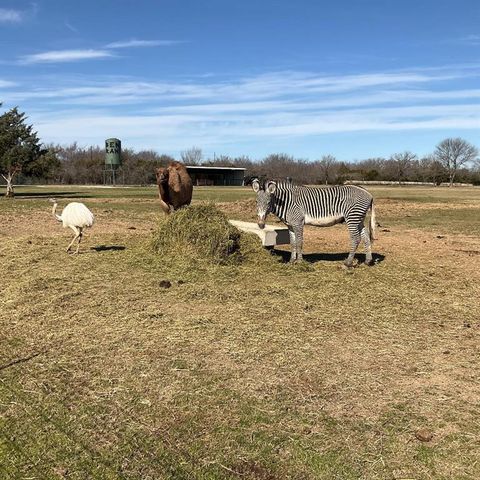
79, 240
77, 234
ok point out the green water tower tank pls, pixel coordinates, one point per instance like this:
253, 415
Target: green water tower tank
113, 153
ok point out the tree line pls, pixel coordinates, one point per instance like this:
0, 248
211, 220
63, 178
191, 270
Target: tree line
24, 159
453, 160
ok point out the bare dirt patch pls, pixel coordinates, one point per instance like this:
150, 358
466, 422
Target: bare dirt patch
262, 370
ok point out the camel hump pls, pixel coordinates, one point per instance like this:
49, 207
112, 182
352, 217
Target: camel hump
179, 179
176, 165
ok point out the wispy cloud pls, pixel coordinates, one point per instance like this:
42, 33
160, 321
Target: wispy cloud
471, 40
55, 56
468, 40
173, 131
71, 27
270, 107
143, 43
59, 56
10, 16
301, 88
6, 83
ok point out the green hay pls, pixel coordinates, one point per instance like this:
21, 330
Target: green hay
203, 233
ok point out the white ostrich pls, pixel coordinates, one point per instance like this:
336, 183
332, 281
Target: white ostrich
76, 216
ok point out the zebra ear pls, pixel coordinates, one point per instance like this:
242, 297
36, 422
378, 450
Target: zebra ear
256, 185
271, 187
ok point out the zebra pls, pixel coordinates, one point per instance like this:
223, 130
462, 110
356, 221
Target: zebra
298, 205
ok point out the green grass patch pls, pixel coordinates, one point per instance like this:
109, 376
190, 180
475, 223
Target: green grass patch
440, 221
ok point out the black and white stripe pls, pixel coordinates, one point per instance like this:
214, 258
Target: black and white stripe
297, 206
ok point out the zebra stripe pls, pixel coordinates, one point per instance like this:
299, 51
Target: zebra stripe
297, 206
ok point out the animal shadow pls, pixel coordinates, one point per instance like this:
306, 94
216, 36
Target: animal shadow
104, 248
328, 257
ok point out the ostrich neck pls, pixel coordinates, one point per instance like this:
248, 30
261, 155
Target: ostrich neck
54, 212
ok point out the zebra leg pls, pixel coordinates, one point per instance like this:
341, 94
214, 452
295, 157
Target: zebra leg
295, 221
293, 245
299, 242
368, 247
355, 237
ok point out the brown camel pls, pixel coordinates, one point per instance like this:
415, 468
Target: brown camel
174, 187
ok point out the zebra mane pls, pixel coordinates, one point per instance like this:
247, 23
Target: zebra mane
286, 183
280, 183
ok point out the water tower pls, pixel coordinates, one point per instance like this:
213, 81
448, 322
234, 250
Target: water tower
113, 160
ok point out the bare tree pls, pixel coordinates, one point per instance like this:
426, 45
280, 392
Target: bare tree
452, 153
327, 164
431, 170
281, 166
192, 156
401, 164
369, 169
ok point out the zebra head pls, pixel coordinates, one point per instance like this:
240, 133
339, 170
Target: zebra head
264, 199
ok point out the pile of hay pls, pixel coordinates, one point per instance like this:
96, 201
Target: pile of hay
202, 232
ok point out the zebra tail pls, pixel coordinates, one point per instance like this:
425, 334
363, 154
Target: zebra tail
373, 223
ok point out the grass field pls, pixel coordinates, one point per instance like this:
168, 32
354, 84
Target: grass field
260, 370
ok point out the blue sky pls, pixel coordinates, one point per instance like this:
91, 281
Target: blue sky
351, 78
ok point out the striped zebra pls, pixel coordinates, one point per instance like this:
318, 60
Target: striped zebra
297, 206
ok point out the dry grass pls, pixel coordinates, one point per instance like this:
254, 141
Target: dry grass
257, 370
202, 234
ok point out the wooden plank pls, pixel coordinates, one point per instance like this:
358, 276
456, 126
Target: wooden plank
270, 235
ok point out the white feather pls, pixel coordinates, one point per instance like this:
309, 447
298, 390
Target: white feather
76, 214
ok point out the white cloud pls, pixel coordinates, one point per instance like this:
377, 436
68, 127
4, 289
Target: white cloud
143, 43
55, 56
10, 16
171, 131
269, 108
290, 88
471, 40
6, 84
58, 56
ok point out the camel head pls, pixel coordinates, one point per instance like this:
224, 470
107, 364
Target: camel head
162, 175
